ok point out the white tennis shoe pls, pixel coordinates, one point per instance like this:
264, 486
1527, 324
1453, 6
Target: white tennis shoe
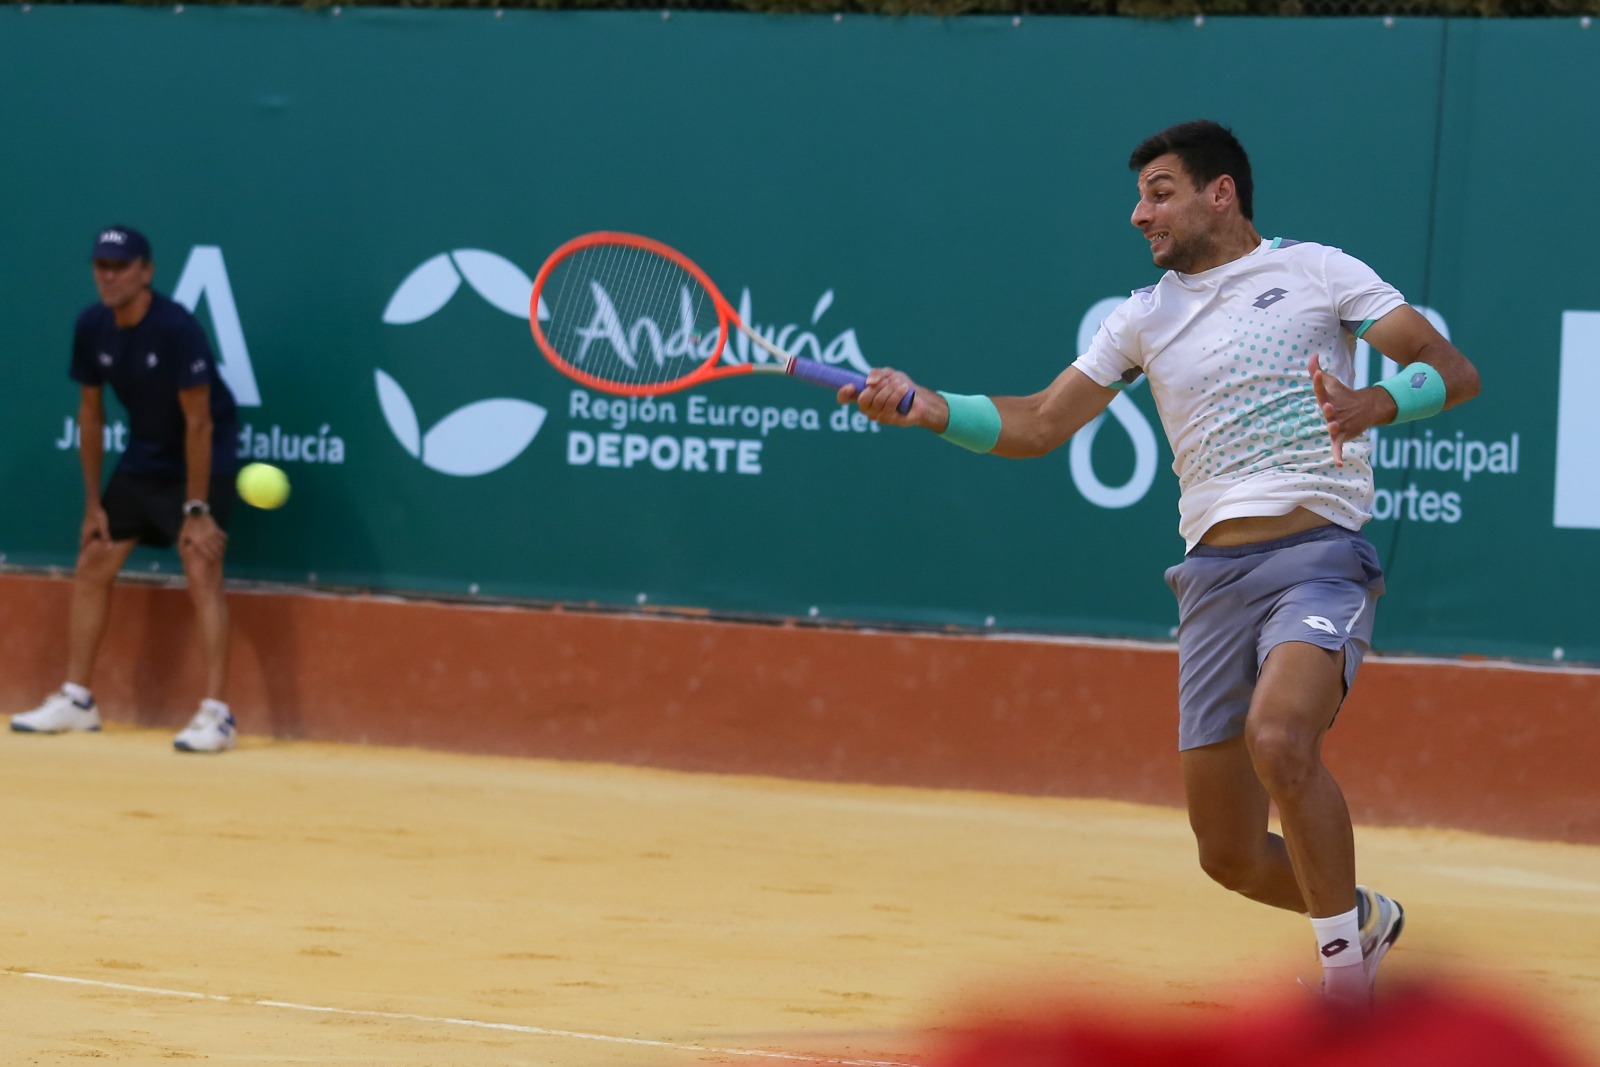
211, 730
58, 714
1385, 919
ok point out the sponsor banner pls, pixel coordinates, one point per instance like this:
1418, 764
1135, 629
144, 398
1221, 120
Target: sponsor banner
945, 196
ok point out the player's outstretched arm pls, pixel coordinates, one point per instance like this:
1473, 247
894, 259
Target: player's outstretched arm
1017, 427
1043, 422
1435, 376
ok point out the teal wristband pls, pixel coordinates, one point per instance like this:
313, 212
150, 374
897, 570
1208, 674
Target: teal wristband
1418, 392
974, 422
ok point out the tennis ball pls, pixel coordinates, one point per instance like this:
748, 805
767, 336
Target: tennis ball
262, 485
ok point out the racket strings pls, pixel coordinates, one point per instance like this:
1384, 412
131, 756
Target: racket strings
629, 316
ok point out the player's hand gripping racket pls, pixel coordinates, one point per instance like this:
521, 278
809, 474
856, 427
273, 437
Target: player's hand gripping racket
625, 314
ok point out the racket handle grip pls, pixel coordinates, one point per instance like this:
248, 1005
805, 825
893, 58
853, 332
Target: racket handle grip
809, 370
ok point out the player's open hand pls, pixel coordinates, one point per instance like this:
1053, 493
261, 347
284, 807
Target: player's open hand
202, 535
880, 398
1348, 412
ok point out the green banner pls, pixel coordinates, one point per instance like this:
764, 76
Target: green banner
355, 202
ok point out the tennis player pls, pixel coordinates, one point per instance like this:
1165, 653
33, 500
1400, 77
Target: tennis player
1248, 345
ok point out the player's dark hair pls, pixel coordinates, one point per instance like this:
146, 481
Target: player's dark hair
1208, 150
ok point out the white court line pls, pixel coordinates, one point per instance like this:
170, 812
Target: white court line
537, 1031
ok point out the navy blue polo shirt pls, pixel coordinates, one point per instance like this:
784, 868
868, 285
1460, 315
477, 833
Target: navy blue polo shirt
146, 365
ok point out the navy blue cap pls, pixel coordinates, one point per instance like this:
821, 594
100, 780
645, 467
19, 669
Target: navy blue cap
120, 243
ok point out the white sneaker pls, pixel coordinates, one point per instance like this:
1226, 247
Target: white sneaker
211, 730
1385, 920
57, 715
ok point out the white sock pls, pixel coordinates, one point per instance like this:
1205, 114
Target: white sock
215, 705
1339, 946
78, 694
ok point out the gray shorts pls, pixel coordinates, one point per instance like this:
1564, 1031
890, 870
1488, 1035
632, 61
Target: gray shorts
1236, 604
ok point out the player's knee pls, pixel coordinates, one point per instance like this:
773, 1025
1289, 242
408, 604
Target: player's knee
1230, 864
1284, 754
97, 564
203, 574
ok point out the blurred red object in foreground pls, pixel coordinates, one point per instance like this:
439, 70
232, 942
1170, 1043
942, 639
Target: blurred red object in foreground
1421, 1026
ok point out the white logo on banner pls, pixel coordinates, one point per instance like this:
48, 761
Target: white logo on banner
206, 275
487, 434
1132, 421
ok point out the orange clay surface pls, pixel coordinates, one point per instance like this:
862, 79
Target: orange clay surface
307, 903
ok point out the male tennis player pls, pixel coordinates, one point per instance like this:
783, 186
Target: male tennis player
174, 483
1248, 345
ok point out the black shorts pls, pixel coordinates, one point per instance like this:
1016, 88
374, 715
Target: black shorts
150, 510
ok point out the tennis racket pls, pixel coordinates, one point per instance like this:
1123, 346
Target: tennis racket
628, 315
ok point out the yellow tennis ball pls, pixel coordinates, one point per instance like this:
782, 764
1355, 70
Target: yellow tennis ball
263, 485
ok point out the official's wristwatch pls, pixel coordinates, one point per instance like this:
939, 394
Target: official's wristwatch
196, 508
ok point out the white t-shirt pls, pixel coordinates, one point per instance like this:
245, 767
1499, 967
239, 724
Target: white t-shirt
1226, 353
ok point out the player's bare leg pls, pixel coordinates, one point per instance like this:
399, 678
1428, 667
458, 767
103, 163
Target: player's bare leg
1228, 813
73, 708
211, 613
98, 564
1296, 698
212, 729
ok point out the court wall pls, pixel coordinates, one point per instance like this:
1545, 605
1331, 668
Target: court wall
1492, 747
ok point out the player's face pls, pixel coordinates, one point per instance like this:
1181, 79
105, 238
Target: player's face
121, 281
1173, 216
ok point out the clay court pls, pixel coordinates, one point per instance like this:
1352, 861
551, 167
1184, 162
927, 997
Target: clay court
297, 902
